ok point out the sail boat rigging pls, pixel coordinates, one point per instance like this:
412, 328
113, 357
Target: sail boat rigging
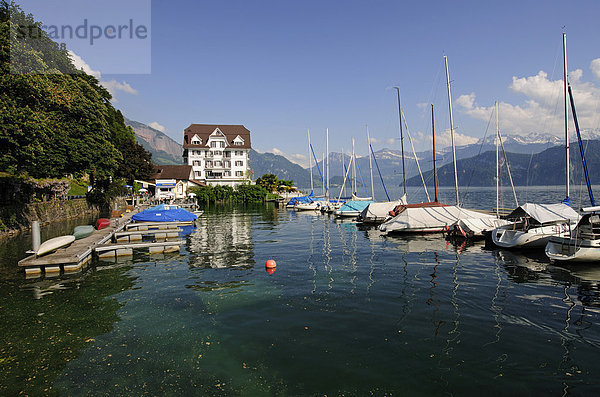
534, 224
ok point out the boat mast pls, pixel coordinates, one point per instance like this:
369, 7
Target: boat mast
497, 166
451, 129
353, 169
370, 164
567, 200
343, 167
401, 140
434, 161
323, 176
310, 164
327, 149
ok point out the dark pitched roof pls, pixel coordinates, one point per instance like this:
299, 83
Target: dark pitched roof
172, 172
197, 182
204, 130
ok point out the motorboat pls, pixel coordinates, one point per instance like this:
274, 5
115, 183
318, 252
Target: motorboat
583, 242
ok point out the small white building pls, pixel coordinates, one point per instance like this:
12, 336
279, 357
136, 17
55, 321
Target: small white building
218, 154
173, 181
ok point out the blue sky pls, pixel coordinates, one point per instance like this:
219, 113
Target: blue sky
280, 67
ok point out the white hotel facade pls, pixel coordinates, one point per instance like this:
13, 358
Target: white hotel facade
218, 154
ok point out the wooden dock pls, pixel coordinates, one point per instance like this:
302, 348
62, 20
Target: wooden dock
77, 255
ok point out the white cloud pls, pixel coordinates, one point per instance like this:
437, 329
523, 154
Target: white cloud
296, 158
390, 141
157, 126
111, 86
80, 64
541, 111
595, 67
444, 139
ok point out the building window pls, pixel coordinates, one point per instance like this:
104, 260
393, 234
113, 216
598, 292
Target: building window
221, 144
227, 153
227, 173
239, 152
213, 144
239, 173
198, 174
227, 164
197, 162
218, 164
239, 163
207, 154
217, 153
238, 143
209, 164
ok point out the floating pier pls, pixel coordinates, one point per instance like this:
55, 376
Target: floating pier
76, 256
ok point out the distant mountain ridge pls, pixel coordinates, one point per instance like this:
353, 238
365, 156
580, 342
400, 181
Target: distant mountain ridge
541, 169
165, 151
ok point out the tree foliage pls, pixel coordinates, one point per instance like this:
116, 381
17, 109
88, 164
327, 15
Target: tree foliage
57, 120
241, 194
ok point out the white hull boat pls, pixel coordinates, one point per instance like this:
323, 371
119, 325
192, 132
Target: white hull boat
582, 245
428, 218
379, 212
533, 224
54, 244
312, 206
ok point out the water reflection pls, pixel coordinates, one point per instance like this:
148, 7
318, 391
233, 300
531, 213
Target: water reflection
222, 240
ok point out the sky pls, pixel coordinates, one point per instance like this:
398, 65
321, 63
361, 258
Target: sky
283, 67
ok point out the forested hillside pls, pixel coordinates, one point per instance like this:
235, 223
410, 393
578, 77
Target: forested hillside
58, 121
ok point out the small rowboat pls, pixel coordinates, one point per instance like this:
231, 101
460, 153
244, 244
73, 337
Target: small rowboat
82, 231
54, 244
102, 223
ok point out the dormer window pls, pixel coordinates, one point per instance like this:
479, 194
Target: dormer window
238, 141
196, 140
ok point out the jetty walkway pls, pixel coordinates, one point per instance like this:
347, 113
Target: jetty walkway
101, 243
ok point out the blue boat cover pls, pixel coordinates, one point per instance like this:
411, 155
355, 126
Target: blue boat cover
355, 205
171, 215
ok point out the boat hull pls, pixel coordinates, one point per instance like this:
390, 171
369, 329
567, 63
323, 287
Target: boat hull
536, 237
564, 249
82, 231
54, 243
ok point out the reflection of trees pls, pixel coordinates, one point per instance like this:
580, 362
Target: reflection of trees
222, 240
40, 336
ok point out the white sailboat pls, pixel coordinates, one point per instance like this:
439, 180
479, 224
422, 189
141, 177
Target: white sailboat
376, 213
478, 227
534, 224
583, 243
352, 208
432, 216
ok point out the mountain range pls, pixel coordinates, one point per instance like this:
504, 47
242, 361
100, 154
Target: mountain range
534, 159
165, 151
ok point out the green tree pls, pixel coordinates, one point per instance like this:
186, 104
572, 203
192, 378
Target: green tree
56, 120
269, 182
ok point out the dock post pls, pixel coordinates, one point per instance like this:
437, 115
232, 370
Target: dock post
36, 237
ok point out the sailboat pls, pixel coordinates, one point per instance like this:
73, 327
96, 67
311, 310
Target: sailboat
310, 202
352, 208
431, 216
583, 242
534, 224
376, 213
475, 228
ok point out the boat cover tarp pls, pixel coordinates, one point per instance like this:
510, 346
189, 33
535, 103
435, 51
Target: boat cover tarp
354, 206
545, 213
172, 215
428, 219
162, 207
380, 211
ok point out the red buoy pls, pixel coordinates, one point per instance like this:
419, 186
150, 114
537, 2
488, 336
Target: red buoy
270, 264
270, 270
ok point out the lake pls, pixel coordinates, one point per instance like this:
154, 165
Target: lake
347, 311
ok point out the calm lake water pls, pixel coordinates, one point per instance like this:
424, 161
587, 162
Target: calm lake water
347, 311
